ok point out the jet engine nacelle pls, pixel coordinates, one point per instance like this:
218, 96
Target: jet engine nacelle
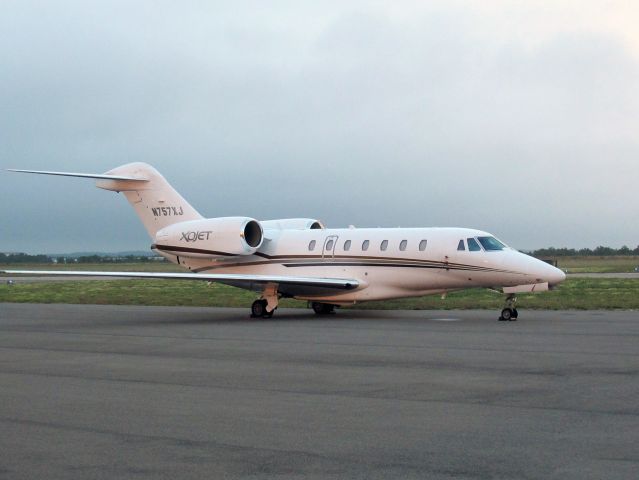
211, 237
292, 224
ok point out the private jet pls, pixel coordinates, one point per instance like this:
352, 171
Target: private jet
301, 258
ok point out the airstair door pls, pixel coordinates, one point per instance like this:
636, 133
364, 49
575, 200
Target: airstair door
328, 252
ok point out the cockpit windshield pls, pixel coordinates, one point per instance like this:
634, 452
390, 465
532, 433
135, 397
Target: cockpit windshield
491, 244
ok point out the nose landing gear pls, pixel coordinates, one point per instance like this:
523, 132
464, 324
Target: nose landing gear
509, 313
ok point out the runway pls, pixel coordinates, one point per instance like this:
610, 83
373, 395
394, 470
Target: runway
167, 392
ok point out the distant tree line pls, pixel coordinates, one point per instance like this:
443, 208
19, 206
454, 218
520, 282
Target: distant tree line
585, 252
26, 258
124, 259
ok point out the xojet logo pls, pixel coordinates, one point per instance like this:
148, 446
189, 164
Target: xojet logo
195, 236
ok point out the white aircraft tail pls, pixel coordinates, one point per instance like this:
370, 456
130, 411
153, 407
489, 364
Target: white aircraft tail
155, 201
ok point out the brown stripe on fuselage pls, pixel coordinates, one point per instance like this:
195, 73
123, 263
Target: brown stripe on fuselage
355, 262
326, 260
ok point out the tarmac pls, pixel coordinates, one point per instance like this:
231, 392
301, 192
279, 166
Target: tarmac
170, 392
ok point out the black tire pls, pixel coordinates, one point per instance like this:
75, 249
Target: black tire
322, 308
506, 314
258, 309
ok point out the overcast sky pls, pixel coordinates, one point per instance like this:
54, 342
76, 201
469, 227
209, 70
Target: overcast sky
516, 117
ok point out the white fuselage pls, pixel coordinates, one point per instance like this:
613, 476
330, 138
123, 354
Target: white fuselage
388, 262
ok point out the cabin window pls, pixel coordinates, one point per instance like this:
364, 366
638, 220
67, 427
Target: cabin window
329, 245
473, 246
365, 245
384, 245
403, 244
491, 244
311, 246
461, 247
422, 245
347, 245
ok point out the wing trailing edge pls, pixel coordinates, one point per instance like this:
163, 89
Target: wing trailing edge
230, 278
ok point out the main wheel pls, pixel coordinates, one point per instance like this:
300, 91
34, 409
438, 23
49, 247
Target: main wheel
322, 308
506, 314
258, 309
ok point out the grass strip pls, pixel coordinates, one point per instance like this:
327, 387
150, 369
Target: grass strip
573, 294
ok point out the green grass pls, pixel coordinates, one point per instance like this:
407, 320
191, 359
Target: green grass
100, 267
574, 294
131, 292
579, 294
621, 264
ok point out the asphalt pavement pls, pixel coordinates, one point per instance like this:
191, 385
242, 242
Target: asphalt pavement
170, 392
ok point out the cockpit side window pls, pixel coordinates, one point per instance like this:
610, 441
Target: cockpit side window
491, 244
473, 246
461, 247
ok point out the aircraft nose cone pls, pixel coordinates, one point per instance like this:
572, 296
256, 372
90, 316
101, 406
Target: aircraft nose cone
555, 276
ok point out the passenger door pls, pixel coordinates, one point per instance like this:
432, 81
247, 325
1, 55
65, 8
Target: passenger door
328, 251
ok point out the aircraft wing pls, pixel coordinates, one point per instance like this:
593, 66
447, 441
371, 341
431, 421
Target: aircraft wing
286, 284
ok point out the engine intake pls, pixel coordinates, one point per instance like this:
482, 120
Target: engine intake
211, 237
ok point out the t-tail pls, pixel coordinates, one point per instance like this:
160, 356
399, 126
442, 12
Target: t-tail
155, 201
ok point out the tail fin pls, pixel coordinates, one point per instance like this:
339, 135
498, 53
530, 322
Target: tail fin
155, 201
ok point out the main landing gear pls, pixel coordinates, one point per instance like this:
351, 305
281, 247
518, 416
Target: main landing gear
258, 309
509, 313
266, 306
323, 308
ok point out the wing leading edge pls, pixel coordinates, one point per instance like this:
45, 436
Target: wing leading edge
286, 284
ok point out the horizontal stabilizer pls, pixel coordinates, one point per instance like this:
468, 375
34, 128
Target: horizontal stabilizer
98, 176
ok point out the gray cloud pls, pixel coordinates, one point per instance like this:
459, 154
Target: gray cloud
350, 114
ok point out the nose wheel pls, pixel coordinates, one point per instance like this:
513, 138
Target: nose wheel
509, 313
